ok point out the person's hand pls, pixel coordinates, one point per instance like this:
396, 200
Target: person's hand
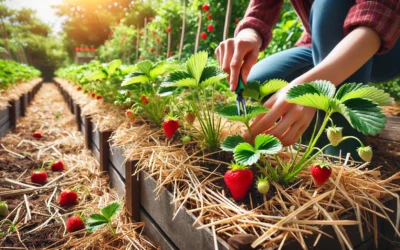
238, 55
294, 119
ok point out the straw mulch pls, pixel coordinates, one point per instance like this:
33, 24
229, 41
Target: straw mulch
35, 208
106, 116
14, 92
286, 213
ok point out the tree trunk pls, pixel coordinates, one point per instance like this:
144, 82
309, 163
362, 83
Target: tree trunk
169, 39
227, 19
183, 30
145, 33
137, 44
196, 47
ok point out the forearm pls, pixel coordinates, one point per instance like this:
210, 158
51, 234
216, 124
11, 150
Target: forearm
346, 58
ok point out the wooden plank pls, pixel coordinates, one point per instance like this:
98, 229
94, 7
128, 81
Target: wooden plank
155, 234
118, 160
88, 132
26, 102
104, 147
181, 229
22, 105
4, 128
77, 116
4, 116
13, 114
18, 108
95, 136
95, 152
132, 186
117, 182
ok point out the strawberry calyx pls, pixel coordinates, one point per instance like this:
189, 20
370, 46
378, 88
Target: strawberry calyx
237, 166
322, 164
170, 118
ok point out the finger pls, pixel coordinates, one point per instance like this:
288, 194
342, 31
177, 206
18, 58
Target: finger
298, 135
259, 117
268, 120
217, 56
289, 137
227, 56
283, 125
236, 65
249, 61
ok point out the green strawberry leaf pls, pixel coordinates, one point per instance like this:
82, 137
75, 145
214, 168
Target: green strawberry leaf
95, 222
135, 78
252, 90
353, 91
212, 80
111, 210
313, 100
271, 87
231, 113
364, 115
176, 76
100, 74
196, 64
230, 142
113, 65
188, 82
157, 70
145, 67
211, 71
325, 88
267, 144
246, 154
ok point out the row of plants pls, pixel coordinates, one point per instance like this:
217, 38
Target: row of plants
12, 73
191, 101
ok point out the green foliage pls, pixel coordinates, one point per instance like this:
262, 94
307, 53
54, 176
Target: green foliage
97, 221
13, 73
258, 92
391, 87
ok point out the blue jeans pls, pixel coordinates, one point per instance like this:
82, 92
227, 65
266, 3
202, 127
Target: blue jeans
326, 24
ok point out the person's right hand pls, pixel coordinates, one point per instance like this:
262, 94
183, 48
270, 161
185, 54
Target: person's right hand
238, 55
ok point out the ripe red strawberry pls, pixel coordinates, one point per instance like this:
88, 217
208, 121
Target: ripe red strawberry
99, 97
75, 223
190, 117
171, 53
79, 88
239, 180
320, 173
151, 50
87, 49
237, 20
158, 39
206, 7
81, 49
209, 16
210, 28
204, 35
39, 176
170, 126
68, 198
93, 95
144, 99
130, 115
128, 92
37, 134
76, 49
57, 166
169, 30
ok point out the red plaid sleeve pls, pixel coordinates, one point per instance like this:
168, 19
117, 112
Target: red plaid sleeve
383, 16
261, 15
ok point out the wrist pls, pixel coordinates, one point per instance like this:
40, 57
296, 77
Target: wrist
249, 33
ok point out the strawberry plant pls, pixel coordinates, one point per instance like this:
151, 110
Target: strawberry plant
200, 80
97, 221
358, 103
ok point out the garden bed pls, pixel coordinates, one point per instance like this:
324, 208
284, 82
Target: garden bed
157, 206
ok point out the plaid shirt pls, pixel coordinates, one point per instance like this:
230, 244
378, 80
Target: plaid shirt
383, 16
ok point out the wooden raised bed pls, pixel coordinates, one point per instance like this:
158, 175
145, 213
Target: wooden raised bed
157, 211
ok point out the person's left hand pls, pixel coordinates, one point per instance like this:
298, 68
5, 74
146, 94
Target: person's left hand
295, 119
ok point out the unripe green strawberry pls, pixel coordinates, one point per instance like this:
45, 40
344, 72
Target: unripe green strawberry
263, 185
365, 153
334, 135
3, 209
185, 139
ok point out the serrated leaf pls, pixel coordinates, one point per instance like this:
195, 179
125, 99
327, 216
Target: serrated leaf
246, 154
230, 142
176, 76
113, 65
95, 222
212, 80
347, 88
325, 88
231, 113
100, 74
196, 64
271, 87
252, 89
267, 144
145, 67
364, 115
302, 89
253, 111
373, 94
129, 69
135, 78
188, 82
314, 100
111, 210
210, 71
157, 70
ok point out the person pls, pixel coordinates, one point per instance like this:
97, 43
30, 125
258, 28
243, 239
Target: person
344, 41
